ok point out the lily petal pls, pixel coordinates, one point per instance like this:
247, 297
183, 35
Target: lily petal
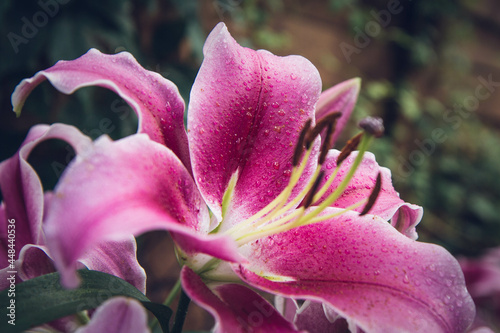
340, 98
119, 259
311, 317
21, 187
125, 187
245, 114
404, 216
156, 100
118, 315
236, 308
367, 271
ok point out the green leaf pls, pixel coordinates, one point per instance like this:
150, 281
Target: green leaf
43, 299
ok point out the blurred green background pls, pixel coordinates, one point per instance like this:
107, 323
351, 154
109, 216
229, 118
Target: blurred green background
430, 69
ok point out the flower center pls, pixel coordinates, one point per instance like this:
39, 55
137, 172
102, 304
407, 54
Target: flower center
279, 216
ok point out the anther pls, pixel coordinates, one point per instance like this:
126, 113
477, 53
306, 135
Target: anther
299, 148
320, 126
373, 126
373, 196
350, 146
325, 147
308, 200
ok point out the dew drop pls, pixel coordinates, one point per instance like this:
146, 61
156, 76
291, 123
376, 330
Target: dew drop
275, 105
281, 112
293, 76
276, 165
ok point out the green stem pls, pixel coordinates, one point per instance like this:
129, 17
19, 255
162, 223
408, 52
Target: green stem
173, 293
181, 313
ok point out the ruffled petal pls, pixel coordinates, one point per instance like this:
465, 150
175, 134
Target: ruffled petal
118, 315
156, 100
235, 307
34, 261
21, 187
340, 98
245, 114
404, 216
127, 187
367, 271
117, 258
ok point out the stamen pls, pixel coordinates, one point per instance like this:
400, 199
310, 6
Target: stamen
300, 143
320, 126
308, 200
276, 217
365, 142
325, 147
373, 196
350, 146
275, 206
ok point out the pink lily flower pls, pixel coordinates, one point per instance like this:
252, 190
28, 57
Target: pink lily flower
250, 203
23, 245
482, 276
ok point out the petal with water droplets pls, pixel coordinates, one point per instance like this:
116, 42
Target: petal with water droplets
366, 271
245, 114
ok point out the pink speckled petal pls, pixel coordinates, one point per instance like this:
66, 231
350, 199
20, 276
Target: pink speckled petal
245, 113
236, 308
22, 190
404, 216
156, 100
125, 187
367, 271
118, 315
339, 98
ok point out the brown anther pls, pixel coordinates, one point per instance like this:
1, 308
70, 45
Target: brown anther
350, 146
306, 203
320, 126
373, 196
373, 126
299, 148
325, 147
